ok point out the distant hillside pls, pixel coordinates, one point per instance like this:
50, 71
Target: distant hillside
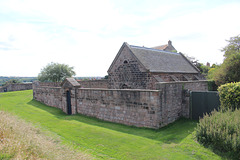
3, 80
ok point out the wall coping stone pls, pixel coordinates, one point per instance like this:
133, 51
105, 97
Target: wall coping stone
49, 87
95, 80
179, 82
133, 90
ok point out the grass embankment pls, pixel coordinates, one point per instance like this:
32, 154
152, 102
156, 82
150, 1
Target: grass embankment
20, 140
105, 140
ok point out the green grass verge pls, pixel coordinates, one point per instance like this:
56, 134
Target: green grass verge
106, 140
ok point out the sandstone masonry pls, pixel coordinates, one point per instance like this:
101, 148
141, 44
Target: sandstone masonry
147, 87
134, 107
140, 68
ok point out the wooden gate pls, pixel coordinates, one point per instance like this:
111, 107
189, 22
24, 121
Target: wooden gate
203, 102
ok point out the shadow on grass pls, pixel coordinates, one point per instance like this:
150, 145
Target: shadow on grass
173, 133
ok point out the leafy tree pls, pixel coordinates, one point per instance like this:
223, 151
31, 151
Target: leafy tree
55, 72
212, 71
214, 66
229, 70
202, 68
233, 47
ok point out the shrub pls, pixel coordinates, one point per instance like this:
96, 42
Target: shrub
212, 85
230, 95
221, 130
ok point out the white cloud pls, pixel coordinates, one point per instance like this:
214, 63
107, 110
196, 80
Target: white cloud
200, 34
88, 34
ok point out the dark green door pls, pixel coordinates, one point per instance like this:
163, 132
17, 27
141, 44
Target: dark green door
203, 102
69, 106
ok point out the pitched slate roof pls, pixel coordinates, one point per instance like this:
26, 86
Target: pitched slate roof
162, 47
156, 60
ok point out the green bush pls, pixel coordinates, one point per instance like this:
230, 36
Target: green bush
212, 85
230, 95
221, 130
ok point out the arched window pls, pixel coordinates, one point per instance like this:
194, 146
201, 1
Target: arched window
125, 62
124, 86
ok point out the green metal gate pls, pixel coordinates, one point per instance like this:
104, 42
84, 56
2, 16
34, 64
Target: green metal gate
203, 102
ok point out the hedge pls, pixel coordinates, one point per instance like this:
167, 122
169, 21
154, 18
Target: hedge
230, 95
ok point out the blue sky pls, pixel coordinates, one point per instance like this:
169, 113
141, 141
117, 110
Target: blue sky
88, 34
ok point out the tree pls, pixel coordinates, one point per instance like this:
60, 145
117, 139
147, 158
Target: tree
202, 68
229, 70
212, 70
233, 47
55, 72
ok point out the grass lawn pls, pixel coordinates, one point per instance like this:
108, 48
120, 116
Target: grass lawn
105, 140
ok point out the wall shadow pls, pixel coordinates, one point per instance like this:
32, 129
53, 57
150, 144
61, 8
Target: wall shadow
172, 133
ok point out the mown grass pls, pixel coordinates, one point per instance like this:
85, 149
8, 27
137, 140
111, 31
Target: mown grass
105, 140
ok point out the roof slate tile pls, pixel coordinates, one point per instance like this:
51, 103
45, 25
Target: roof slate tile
156, 60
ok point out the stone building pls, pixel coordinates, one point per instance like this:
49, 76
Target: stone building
147, 87
140, 67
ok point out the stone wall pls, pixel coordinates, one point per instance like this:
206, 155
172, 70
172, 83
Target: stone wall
171, 102
103, 83
54, 96
51, 96
1, 89
201, 85
137, 107
177, 96
16, 87
49, 84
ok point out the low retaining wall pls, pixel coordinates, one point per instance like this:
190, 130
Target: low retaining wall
51, 96
1, 89
16, 87
141, 108
131, 107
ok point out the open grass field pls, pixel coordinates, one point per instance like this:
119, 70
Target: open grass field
105, 140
